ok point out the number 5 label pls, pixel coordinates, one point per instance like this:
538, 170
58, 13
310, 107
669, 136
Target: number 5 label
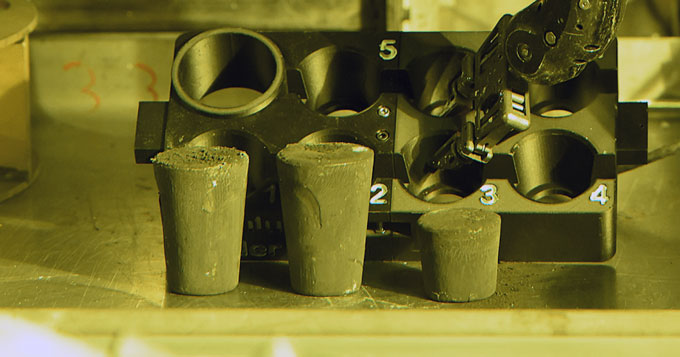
600, 195
387, 50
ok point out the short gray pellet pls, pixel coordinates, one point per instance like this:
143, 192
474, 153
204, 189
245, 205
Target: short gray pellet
459, 253
325, 192
202, 199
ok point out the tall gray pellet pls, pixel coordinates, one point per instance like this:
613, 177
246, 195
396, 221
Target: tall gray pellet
202, 199
325, 192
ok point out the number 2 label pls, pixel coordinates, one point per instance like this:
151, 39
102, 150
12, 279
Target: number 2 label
379, 190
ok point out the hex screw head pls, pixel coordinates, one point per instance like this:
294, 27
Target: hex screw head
384, 111
382, 135
524, 52
550, 38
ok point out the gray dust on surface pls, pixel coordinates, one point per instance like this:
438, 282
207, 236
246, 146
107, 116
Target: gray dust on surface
331, 152
198, 157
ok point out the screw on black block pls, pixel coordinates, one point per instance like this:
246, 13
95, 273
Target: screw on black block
382, 135
384, 111
550, 38
524, 52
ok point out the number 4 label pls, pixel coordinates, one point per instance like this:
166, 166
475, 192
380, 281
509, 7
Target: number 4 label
600, 195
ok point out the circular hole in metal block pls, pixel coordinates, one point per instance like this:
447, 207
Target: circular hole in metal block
431, 79
339, 82
553, 166
262, 166
564, 99
335, 136
556, 113
229, 72
592, 48
441, 186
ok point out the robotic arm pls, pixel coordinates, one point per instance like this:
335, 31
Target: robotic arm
549, 42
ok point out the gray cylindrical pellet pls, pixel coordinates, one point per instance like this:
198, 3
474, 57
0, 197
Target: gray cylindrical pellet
325, 192
459, 253
202, 198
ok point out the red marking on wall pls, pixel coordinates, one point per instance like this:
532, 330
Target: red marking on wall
71, 65
88, 88
151, 87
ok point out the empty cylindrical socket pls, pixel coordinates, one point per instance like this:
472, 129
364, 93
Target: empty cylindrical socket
325, 192
202, 198
459, 253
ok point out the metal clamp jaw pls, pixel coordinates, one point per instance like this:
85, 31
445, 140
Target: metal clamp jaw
500, 106
549, 42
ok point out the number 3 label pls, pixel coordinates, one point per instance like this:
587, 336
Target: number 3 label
387, 50
490, 196
600, 195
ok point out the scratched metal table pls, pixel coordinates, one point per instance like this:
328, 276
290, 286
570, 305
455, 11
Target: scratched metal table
87, 233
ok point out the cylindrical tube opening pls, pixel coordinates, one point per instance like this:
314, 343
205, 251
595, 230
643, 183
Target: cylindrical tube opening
553, 166
564, 99
339, 82
440, 186
261, 162
334, 135
431, 78
228, 72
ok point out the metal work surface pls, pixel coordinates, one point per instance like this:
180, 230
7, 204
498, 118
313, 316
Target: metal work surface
287, 332
88, 234
130, 15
